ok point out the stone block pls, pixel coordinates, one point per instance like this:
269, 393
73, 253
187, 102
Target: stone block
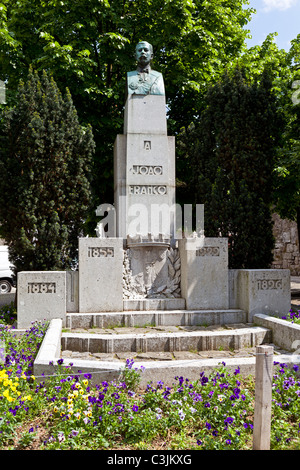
265, 291
100, 274
204, 273
144, 188
284, 333
233, 288
41, 295
144, 170
72, 280
150, 184
145, 114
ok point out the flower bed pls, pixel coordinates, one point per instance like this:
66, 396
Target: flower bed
67, 412
293, 316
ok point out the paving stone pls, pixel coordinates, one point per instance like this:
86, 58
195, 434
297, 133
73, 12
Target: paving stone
236, 326
185, 355
126, 355
155, 356
215, 354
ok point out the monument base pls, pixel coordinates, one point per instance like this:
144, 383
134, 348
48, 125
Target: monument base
204, 272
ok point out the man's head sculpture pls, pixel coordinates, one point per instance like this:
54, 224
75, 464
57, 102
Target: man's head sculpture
144, 80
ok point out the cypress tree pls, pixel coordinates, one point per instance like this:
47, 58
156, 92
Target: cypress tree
45, 165
232, 159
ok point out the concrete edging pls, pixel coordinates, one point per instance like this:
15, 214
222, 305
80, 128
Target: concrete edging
285, 334
49, 350
154, 370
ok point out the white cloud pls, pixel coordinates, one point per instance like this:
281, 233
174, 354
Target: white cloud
278, 4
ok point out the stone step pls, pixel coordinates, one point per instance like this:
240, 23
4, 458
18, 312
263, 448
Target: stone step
155, 318
154, 304
226, 339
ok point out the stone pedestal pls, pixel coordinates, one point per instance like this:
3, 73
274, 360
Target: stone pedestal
41, 296
204, 273
100, 274
72, 279
264, 291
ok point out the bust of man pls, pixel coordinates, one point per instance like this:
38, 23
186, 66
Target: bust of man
144, 80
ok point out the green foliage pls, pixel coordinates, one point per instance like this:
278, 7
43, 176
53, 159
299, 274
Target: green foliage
131, 375
45, 165
8, 314
232, 159
287, 168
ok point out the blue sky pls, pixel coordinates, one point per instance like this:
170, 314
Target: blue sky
281, 16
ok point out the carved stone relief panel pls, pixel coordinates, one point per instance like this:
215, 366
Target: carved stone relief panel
151, 272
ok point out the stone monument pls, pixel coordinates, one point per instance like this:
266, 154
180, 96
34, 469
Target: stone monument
145, 186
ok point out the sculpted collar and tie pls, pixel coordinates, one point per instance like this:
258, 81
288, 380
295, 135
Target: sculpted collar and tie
145, 81
146, 69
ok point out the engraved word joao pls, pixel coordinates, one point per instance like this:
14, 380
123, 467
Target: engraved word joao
266, 284
208, 251
41, 287
100, 252
148, 170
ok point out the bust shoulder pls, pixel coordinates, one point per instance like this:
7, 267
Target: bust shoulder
145, 84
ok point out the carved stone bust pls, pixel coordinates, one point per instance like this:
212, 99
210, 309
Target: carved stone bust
144, 80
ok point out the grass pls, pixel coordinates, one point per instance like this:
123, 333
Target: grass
67, 412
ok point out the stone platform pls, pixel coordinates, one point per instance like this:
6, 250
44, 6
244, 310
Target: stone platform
165, 339
160, 336
231, 343
166, 357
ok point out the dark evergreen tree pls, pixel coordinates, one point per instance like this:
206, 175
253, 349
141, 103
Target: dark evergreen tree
232, 154
45, 165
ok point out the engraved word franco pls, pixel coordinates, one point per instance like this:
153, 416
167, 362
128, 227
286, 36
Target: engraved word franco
148, 189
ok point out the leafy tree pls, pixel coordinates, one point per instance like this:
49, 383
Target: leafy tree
45, 163
287, 169
89, 46
232, 150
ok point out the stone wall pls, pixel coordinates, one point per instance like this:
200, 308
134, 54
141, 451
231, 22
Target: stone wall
286, 252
